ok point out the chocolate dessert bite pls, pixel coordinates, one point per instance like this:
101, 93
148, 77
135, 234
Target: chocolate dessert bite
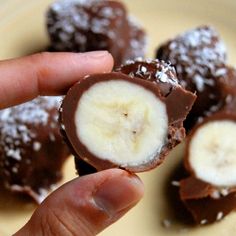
226, 82
32, 151
121, 119
211, 151
82, 167
137, 44
80, 26
198, 56
210, 191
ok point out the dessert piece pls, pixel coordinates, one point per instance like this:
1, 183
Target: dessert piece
198, 56
210, 191
32, 151
119, 120
81, 26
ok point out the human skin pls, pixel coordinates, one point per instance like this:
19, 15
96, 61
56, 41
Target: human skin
87, 205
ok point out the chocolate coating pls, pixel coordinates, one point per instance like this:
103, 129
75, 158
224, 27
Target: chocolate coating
197, 55
176, 132
81, 26
32, 151
199, 199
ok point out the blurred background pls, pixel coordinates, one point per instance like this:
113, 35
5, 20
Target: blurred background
23, 31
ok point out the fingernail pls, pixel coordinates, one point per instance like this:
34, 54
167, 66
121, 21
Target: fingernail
118, 193
96, 54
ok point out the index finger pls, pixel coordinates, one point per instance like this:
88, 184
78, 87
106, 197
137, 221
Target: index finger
46, 73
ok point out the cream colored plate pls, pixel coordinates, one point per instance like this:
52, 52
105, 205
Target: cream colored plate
22, 32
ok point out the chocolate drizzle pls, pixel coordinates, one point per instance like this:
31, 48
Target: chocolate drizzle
31, 149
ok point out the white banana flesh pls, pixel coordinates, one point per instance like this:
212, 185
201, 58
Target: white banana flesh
212, 153
121, 122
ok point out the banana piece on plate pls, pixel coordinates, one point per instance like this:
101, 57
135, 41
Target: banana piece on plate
118, 120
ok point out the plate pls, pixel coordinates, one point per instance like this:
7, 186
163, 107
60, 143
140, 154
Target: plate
22, 30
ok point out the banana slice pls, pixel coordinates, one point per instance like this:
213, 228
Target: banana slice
115, 120
212, 151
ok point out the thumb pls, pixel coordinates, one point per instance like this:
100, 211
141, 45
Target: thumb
86, 205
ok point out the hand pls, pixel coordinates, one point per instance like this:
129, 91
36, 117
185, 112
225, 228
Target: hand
86, 205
